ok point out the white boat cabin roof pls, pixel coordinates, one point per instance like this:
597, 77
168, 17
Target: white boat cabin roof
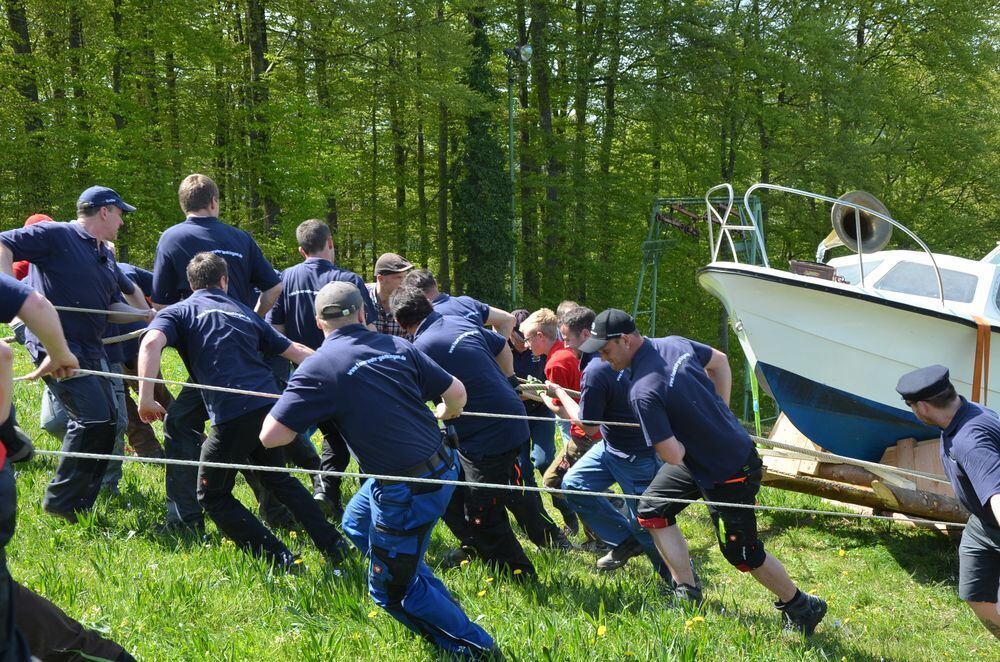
971, 287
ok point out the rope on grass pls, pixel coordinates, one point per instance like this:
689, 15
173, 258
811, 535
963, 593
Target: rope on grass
493, 486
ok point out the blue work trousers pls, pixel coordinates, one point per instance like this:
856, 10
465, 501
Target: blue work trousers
598, 470
92, 411
391, 523
538, 453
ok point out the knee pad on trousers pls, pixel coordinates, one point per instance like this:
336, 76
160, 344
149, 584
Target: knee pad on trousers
745, 555
656, 522
392, 574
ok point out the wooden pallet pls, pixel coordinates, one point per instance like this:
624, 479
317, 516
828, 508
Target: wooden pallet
849, 484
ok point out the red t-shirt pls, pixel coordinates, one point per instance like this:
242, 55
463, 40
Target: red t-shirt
563, 367
21, 269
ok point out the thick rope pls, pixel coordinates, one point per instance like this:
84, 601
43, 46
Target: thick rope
98, 311
494, 486
823, 455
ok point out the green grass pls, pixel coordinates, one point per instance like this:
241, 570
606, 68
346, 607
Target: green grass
891, 589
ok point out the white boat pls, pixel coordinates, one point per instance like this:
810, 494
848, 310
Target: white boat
829, 343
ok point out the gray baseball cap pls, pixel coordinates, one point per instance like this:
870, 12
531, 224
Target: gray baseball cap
338, 299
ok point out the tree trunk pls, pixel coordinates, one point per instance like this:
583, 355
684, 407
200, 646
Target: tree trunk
528, 174
610, 126
444, 268
259, 134
398, 152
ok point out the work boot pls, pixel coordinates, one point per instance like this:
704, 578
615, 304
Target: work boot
802, 614
619, 556
570, 520
454, 558
288, 563
331, 507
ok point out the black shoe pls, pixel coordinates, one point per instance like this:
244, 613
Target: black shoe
595, 546
688, 596
331, 508
455, 557
802, 614
619, 556
68, 515
561, 542
570, 521
338, 553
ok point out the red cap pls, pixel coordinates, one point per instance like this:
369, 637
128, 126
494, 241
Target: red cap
36, 218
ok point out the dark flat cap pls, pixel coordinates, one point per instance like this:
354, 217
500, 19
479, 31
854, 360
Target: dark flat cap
924, 383
391, 263
338, 299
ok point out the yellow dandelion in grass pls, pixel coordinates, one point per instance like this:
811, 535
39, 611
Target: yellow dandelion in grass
293, 534
298, 561
464, 563
373, 613
688, 623
481, 593
517, 571
842, 553
845, 573
698, 619
602, 630
629, 654
489, 580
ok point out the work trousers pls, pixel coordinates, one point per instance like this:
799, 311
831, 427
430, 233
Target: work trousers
335, 457
113, 474
140, 435
237, 442
391, 524
92, 410
300, 453
538, 454
598, 470
13, 647
478, 516
183, 432
54, 636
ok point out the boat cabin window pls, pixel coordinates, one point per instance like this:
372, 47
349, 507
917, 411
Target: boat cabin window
851, 273
918, 279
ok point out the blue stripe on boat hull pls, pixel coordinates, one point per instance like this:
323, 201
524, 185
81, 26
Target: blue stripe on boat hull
839, 421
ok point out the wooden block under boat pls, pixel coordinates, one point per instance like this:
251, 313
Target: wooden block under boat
921, 456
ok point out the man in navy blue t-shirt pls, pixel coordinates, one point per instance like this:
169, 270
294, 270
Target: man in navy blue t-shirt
622, 456
461, 306
201, 231
970, 455
72, 265
221, 341
358, 376
680, 394
488, 447
294, 315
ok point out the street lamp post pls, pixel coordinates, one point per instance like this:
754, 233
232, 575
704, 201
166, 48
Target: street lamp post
514, 55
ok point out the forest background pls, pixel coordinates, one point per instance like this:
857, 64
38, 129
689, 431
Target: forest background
388, 119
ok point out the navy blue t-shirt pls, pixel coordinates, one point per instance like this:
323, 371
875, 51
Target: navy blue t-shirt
604, 396
672, 396
296, 308
13, 294
179, 243
139, 276
468, 351
375, 387
527, 365
970, 453
462, 306
221, 341
71, 268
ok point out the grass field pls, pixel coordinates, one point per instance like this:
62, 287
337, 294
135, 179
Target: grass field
891, 589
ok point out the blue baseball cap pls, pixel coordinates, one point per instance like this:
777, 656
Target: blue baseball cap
99, 196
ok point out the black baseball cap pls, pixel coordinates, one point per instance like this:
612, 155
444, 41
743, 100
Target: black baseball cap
338, 299
924, 384
609, 324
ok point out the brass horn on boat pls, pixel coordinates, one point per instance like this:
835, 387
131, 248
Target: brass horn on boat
875, 233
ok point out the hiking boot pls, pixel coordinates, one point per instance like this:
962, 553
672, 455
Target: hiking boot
688, 596
556, 539
68, 515
180, 528
570, 521
289, 563
619, 556
338, 553
802, 614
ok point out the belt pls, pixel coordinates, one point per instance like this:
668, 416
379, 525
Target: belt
435, 465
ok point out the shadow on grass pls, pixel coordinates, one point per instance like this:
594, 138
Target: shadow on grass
930, 557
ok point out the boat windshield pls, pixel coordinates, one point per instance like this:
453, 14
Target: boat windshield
918, 279
851, 273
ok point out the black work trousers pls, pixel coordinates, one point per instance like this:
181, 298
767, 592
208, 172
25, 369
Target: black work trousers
478, 516
335, 457
13, 647
237, 442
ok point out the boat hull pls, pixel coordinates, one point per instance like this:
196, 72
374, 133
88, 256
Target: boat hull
831, 354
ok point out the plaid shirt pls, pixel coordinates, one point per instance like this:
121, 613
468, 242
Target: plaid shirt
385, 323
